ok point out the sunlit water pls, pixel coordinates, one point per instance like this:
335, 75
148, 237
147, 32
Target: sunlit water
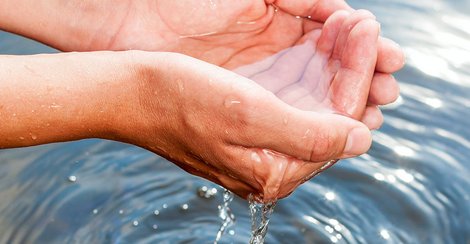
412, 187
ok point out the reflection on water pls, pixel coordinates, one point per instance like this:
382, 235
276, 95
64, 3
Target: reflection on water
412, 187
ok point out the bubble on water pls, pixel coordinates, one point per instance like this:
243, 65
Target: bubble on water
231, 232
165, 205
95, 211
156, 212
121, 211
135, 223
154, 227
72, 178
185, 206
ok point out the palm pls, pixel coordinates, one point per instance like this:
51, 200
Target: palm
226, 33
328, 70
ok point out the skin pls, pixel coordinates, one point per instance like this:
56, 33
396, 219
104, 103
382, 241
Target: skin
152, 100
246, 122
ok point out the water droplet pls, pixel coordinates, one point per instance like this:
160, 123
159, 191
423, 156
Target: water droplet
154, 227
329, 229
307, 133
330, 196
14, 115
165, 205
285, 120
384, 233
135, 223
297, 17
185, 206
121, 211
180, 84
226, 132
255, 157
72, 178
21, 138
309, 17
230, 101
156, 212
34, 137
206, 192
95, 211
231, 232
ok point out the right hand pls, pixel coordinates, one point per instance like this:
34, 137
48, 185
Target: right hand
229, 130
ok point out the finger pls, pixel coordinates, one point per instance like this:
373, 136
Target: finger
290, 66
330, 31
356, 17
270, 123
351, 85
314, 80
384, 89
318, 10
390, 56
372, 117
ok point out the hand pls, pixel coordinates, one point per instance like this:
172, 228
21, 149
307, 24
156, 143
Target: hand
227, 33
329, 69
228, 129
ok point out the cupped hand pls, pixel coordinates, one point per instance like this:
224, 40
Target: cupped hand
226, 33
226, 128
329, 69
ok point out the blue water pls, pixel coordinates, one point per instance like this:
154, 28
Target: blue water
412, 187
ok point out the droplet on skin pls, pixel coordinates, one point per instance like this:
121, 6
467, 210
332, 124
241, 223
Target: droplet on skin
21, 138
72, 178
307, 133
34, 137
297, 17
180, 84
255, 157
229, 102
285, 120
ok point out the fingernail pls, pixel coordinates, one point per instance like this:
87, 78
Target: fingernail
358, 142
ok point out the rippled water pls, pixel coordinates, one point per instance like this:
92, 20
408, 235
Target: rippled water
412, 187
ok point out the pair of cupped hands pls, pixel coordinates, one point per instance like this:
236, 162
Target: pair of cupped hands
306, 82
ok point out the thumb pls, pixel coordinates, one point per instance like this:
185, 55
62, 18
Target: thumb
309, 136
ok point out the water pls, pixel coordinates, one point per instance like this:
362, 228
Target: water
412, 187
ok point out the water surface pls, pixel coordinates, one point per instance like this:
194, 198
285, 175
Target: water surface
412, 187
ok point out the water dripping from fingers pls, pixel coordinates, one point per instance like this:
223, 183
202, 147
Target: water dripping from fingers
225, 214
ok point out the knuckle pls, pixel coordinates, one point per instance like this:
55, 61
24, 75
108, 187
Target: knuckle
324, 146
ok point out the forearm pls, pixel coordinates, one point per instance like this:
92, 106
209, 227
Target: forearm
65, 25
63, 97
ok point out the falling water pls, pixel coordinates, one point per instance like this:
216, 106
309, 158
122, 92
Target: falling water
225, 213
